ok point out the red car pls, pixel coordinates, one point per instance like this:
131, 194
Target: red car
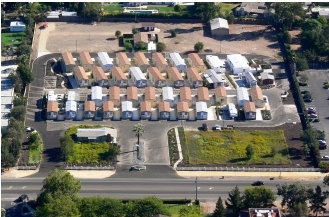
322, 147
311, 112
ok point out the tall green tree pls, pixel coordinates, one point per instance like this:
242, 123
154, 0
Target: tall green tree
299, 210
317, 201
234, 203
260, 197
190, 211
207, 10
322, 20
160, 46
25, 73
326, 180
198, 46
59, 182
67, 146
117, 33
301, 63
139, 130
312, 25
96, 206
18, 112
250, 152
293, 194
219, 210
146, 207
288, 13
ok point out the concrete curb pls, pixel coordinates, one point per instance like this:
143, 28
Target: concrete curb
179, 149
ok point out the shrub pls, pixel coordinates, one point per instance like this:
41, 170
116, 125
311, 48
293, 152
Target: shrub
231, 80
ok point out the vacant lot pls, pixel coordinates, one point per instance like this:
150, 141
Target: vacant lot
244, 39
229, 147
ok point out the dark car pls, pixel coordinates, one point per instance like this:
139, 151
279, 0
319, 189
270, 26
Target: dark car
308, 100
204, 127
305, 91
23, 198
257, 183
323, 147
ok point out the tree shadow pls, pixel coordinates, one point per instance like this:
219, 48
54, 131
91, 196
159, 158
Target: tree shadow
53, 155
111, 39
237, 160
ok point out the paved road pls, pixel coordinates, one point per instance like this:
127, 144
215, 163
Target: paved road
136, 188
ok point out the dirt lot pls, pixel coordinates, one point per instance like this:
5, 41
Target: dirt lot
244, 39
295, 39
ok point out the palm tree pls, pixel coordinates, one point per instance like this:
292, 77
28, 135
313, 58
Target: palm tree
139, 129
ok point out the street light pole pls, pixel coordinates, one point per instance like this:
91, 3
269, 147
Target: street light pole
76, 45
196, 188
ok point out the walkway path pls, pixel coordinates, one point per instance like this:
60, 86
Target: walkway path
179, 147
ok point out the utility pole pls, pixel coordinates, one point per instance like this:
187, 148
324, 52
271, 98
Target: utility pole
220, 46
196, 188
76, 46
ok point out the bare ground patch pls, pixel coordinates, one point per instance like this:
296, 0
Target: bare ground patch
295, 39
244, 39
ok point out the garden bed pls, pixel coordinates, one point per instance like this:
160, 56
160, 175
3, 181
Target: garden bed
35, 149
173, 149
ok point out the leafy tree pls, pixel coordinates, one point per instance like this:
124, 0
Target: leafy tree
61, 206
219, 210
317, 201
207, 10
114, 150
292, 194
301, 63
177, 8
306, 149
18, 112
128, 46
96, 206
17, 81
161, 46
173, 33
288, 13
234, 203
117, 33
19, 101
299, 210
322, 20
29, 33
274, 151
250, 152
326, 180
198, 46
15, 128
139, 130
7, 158
24, 49
285, 36
141, 45
190, 211
311, 25
135, 30
67, 146
59, 182
230, 18
259, 196
146, 207
25, 73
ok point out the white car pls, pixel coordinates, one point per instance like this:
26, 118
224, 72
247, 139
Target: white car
311, 109
322, 141
217, 127
325, 157
312, 115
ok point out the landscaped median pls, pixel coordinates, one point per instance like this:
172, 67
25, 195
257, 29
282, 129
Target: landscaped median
35, 148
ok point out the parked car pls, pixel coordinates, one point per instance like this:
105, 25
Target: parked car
308, 100
138, 167
322, 141
311, 112
322, 147
312, 115
217, 127
204, 127
29, 129
257, 183
325, 157
305, 91
23, 198
311, 109
265, 99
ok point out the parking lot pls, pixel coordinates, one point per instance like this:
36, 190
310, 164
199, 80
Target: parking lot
320, 100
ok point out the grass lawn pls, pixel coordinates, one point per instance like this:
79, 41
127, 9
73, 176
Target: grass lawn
226, 8
7, 37
175, 208
166, 10
229, 147
113, 9
35, 149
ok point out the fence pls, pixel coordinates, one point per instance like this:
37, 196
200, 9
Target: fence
124, 19
248, 169
26, 167
89, 168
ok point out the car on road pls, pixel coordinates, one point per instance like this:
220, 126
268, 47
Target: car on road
29, 129
322, 141
265, 99
311, 109
204, 127
308, 100
217, 127
257, 183
311, 112
23, 198
138, 167
312, 115
325, 157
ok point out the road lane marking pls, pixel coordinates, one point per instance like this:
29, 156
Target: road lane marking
24, 187
211, 188
10, 187
199, 188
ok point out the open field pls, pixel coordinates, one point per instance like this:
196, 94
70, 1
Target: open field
226, 8
244, 39
7, 37
229, 147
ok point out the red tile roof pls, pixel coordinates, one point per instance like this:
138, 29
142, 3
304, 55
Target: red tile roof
182, 107
141, 59
80, 73
52, 106
123, 59
193, 74
249, 107
164, 106
132, 93
99, 73
108, 106
149, 93
68, 58
174, 74
156, 74
203, 93
256, 93
196, 60
220, 92
90, 106
118, 73
85, 58
185, 94
114, 93
159, 59
145, 106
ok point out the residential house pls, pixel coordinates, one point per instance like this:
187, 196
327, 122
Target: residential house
73, 96
196, 62
140, 37
164, 110
257, 96
175, 77
71, 109
242, 96
203, 95
17, 26
249, 110
216, 64
250, 79
80, 76
138, 77
119, 77
221, 96
99, 76
132, 95
201, 110
219, 26
253, 9
176, 60
108, 109
232, 110
51, 96
104, 134
145, 109
264, 212
90, 108
267, 78
141, 61
238, 64
213, 79
182, 110
156, 77
168, 94
194, 77
114, 95
159, 61
96, 95
127, 110
67, 62
148, 26
52, 110
185, 95
105, 61
149, 95
123, 61
85, 61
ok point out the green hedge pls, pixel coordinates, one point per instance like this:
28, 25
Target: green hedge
231, 80
182, 139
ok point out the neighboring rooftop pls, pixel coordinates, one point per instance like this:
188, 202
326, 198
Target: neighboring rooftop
137, 73
123, 59
196, 60
164, 106
68, 58
99, 73
145, 106
155, 72
185, 94
52, 106
249, 107
96, 132
203, 93
177, 59
114, 93
141, 59
132, 93
80, 73
85, 58
218, 23
90, 106
174, 74
141, 36
256, 93
193, 74
118, 73
220, 92
159, 59
182, 107
149, 93
108, 106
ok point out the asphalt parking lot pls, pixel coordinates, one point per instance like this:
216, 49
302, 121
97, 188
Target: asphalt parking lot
320, 100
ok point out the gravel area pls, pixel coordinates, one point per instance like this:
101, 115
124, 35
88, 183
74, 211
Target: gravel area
244, 39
